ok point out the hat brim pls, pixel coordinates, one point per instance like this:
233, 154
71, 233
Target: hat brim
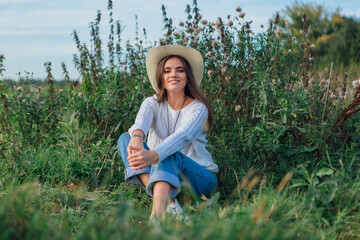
192, 55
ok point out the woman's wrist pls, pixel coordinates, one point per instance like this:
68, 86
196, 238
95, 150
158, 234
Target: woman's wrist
156, 157
138, 133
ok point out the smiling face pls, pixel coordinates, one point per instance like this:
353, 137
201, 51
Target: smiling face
174, 75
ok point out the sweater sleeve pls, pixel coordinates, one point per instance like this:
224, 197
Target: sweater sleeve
145, 116
187, 132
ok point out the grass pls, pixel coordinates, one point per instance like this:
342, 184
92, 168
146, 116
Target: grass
285, 173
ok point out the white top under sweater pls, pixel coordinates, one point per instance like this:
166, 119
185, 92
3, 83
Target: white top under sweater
188, 137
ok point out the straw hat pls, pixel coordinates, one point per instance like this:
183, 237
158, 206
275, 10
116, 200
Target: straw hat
156, 54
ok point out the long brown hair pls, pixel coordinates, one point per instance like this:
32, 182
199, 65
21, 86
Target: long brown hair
191, 89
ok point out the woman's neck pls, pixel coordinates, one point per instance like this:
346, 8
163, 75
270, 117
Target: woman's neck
176, 100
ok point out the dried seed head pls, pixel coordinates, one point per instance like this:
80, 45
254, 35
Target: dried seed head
212, 24
204, 22
237, 108
230, 23
210, 72
278, 32
241, 15
228, 16
197, 38
238, 42
287, 24
312, 45
238, 9
80, 94
61, 90
176, 34
19, 89
199, 17
218, 25
196, 31
294, 38
181, 24
209, 54
186, 39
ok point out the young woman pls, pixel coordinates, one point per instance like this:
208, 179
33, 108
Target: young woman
173, 123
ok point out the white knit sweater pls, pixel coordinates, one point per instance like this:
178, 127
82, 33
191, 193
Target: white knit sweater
188, 137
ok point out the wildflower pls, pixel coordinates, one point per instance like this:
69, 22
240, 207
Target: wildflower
181, 24
289, 50
218, 25
238, 42
43, 102
294, 73
209, 54
287, 24
19, 89
204, 22
210, 72
356, 83
80, 94
197, 38
237, 108
278, 32
312, 45
213, 43
238, 9
199, 17
196, 31
228, 16
227, 78
241, 15
230, 23
252, 33
186, 39
61, 90
176, 34
294, 38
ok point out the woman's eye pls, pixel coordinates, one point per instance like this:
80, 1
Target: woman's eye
181, 70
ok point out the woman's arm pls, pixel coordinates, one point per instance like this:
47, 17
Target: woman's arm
138, 131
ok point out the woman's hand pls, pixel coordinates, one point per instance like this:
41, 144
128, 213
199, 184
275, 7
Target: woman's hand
135, 145
142, 158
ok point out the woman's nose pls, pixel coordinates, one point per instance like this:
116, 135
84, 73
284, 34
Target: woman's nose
173, 73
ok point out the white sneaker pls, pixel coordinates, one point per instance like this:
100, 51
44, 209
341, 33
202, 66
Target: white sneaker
175, 210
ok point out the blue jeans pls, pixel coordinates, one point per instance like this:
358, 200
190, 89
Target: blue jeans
177, 169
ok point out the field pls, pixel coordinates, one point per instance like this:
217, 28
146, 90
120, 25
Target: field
286, 139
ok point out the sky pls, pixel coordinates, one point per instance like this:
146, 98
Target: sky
33, 32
